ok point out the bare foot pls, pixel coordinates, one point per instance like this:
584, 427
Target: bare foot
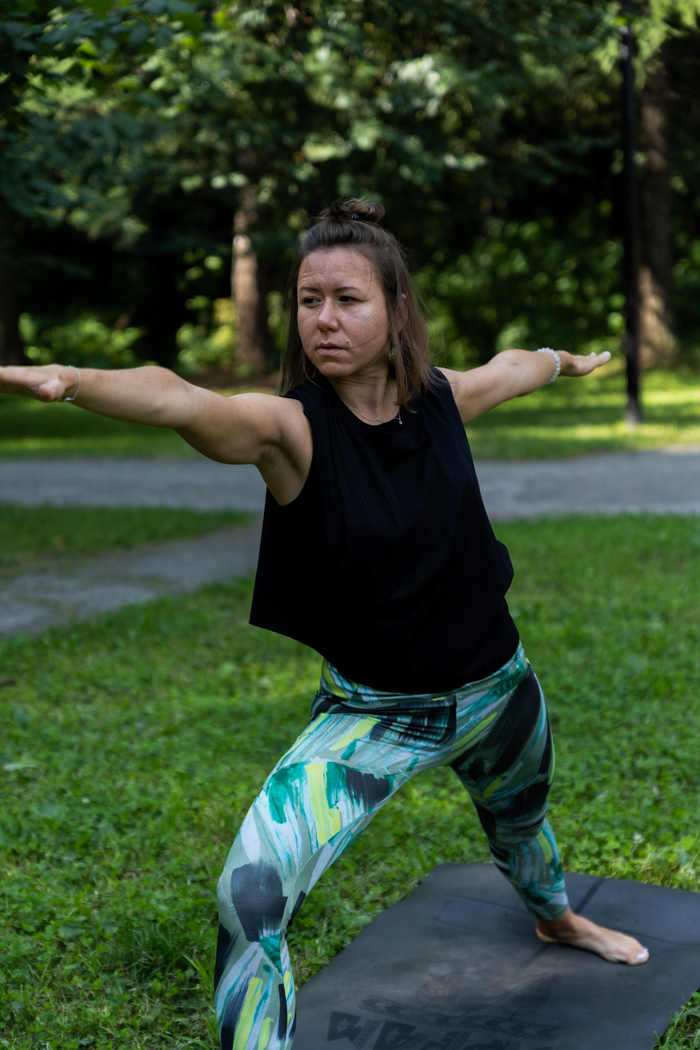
578, 932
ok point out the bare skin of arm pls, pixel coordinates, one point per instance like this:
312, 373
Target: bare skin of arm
270, 432
512, 373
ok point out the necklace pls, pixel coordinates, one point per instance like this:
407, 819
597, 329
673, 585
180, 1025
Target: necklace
367, 420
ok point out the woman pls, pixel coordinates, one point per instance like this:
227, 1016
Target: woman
377, 552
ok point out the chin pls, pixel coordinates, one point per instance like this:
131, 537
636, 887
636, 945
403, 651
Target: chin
332, 368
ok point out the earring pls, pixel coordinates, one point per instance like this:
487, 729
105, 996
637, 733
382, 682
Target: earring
392, 355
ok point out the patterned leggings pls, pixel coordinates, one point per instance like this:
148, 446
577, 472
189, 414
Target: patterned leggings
360, 747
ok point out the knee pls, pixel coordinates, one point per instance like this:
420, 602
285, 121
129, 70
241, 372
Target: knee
252, 893
252, 908
521, 821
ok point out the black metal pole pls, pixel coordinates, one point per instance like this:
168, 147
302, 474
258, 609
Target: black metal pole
634, 407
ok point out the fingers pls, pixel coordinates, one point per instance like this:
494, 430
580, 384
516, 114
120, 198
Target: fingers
36, 381
579, 365
599, 359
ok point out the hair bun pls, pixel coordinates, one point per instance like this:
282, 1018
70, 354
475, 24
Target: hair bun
356, 208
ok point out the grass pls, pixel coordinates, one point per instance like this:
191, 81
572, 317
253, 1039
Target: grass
132, 745
569, 418
32, 429
29, 533
574, 417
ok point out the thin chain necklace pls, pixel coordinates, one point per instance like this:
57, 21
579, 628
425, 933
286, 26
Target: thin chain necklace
397, 416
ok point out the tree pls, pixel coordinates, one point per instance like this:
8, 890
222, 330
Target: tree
276, 107
52, 55
660, 26
464, 118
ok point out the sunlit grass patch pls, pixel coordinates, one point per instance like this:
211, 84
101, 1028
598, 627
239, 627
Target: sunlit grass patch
574, 417
32, 429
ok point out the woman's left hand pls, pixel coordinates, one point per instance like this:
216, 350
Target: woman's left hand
577, 365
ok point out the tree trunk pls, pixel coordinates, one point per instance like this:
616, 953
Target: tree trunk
11, 351
249, 290
658, 343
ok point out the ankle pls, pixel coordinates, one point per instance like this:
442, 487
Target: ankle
562, 924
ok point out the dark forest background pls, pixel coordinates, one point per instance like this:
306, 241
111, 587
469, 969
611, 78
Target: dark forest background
158, 160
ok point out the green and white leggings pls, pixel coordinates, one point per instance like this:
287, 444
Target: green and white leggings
359, 748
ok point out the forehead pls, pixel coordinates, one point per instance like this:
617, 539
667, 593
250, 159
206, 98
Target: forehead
336, 267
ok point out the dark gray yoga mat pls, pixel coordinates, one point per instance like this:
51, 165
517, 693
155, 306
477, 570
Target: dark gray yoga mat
456, 966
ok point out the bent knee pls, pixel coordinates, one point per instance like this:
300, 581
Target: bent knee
255, 895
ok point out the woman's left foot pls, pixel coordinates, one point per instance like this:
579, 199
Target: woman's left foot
577, 932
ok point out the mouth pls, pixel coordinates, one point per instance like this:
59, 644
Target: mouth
329, 350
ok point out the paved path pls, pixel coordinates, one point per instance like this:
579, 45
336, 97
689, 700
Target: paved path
80, 587
660, 481
197, 483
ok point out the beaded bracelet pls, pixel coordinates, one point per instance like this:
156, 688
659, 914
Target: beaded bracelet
557, 361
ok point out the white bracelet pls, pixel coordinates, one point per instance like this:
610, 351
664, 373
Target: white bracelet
557, 361
79, 381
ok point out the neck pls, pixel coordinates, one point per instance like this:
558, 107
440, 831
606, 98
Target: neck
372, 397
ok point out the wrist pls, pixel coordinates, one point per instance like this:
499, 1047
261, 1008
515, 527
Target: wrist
555, 359
72, 380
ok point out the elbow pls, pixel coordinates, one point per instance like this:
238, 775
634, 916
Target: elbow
516, 375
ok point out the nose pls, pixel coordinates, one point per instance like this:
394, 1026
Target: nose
327, 317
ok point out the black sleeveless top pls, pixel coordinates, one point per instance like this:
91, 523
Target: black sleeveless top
386, 563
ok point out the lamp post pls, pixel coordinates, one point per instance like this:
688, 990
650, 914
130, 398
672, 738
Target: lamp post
634, 408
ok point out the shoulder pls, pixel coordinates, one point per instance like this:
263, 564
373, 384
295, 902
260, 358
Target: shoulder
479, 389
441, 387
312, 394
446, 378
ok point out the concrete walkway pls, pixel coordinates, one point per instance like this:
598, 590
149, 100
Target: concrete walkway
197, 483
659, 482
79, 587
667, 480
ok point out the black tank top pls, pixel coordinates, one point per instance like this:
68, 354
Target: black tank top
386, 563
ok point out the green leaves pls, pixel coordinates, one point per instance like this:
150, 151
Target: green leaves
105, 39
100, 7
138, 122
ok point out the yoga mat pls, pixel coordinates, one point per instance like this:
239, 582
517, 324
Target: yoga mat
456, 966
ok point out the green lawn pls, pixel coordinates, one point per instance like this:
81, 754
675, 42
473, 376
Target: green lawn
576, 416
30, 534
566, 419
32, 429
131, 746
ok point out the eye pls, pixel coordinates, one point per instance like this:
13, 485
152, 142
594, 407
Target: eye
308, 300
347, 299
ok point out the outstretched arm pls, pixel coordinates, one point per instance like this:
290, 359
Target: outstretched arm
270, 432
510, 374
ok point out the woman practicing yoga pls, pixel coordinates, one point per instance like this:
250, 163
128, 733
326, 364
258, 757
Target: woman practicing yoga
377, 552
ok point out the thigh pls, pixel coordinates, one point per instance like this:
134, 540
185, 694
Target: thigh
509, 769
314, 803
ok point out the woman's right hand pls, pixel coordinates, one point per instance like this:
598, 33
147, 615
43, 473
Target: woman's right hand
41, 382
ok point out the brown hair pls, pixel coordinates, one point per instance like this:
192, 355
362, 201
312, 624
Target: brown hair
354, 224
